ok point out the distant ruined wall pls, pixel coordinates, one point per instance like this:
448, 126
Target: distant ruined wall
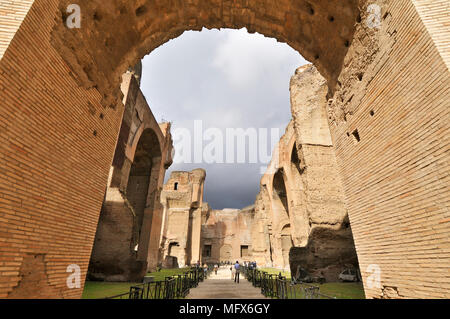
261, 230
131, 211
389, 93
183, 207
301, 213
226, 235
193, 232
316, 162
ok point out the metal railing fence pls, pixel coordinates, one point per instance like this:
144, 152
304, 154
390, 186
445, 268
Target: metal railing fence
279, 287
173, 287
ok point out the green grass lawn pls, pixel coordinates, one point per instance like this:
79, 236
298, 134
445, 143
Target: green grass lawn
101, 289
275, 271
343, 290
163, 273
340, 290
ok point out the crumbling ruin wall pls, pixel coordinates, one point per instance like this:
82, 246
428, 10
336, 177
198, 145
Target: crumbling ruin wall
279, 201
132, 204
308, 222
330, 246
182, 199
261, 230
226, 236
388, 88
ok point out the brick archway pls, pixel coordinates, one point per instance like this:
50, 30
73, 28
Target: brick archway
281, 218
279, 195
307, 27
123, 234
61, 115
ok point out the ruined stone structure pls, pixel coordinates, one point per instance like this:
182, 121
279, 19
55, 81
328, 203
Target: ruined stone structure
226, 235
182, 199
193, 232
129, 227
300, 211
388, 84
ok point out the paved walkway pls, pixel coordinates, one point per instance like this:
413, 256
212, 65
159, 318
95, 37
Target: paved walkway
221, 286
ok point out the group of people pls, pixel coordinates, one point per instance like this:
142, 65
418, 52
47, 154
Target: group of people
205, 267
250, 264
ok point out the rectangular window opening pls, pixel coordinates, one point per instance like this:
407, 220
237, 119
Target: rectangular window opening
207, 251
244, 251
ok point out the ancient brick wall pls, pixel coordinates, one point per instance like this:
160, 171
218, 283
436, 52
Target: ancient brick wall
183, 207
434, 15
228, 232
307, 222
56, 150
132, 202
389, 91
392, 144
12, 14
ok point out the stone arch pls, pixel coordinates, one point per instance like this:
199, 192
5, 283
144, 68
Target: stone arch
158, 139
280, 218
280, 205
141, 188
307, 27
123, 233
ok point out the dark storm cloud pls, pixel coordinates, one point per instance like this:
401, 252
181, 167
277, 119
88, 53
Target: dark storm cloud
227, 79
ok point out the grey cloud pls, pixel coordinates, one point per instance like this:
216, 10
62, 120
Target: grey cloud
183, 81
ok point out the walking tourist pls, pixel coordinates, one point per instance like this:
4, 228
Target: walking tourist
236, 275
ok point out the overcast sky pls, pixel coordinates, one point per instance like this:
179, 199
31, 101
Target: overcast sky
226, 79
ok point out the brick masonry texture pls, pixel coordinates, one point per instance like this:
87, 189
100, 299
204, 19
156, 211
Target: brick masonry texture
390, 87
12, 14
183, 211
54, 169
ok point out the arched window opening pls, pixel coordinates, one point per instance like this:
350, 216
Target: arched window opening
279, 195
